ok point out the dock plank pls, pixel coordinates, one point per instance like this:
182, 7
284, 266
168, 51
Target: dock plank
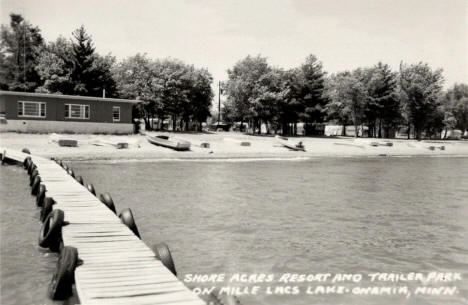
118, 268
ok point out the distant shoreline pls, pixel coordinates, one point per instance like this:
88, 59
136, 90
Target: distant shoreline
261, 148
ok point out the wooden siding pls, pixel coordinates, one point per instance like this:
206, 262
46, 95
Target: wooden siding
100, 110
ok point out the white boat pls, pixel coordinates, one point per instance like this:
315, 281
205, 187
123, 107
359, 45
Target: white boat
289, 144
169, 142
119, 144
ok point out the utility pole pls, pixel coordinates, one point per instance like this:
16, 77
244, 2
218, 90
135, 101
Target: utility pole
24, 56
219, 104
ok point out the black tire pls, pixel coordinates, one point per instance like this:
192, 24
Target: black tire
31, 167
41, 195
90, 188
162, 252
126, 216
71, 172
107, 200
35, 185
46, 208
60, 287
26, 162
26, 151
33, 175
79, 179
51, 230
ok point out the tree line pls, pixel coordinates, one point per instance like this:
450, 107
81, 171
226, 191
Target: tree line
411, 99
167, 88
258, 93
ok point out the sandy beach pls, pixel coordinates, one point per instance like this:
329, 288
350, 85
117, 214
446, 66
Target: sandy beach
220, 148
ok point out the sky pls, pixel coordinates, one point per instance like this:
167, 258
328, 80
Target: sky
215, 34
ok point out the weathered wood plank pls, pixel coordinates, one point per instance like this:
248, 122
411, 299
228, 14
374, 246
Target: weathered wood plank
118, 268
125, 276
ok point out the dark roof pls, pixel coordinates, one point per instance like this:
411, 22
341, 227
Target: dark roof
76, 97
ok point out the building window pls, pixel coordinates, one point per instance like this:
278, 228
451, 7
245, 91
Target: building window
31, 109
116, 113
75, 111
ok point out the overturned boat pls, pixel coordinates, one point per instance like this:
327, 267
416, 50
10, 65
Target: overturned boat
117, 143
237, 141
289, 144
62, 141
169, 142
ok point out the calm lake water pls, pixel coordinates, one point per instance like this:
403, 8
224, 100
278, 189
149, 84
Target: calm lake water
314, 216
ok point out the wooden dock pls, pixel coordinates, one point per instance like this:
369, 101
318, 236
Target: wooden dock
117, 267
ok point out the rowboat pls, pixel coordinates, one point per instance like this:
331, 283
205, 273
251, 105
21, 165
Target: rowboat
289, 144
169, 142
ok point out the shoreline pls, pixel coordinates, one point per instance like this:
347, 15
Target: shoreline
251, 158
247, 160
261, 148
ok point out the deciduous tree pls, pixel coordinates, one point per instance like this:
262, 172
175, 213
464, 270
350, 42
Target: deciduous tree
242, 87
54, 66
347, 99
19, 50
455, 103
166, 87
420, 89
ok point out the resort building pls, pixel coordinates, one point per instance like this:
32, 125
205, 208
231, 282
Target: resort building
38, 112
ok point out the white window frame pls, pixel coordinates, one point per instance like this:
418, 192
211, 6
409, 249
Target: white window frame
114, 119
82, 112
23, 105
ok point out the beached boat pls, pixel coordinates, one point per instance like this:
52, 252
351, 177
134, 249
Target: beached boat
200, 144
237, 141
169, 142
434, 147
117, 143
62, 141
289, 144
382, 143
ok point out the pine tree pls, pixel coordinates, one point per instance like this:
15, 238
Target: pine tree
83, 59
312, 88
91, 73
382, 93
